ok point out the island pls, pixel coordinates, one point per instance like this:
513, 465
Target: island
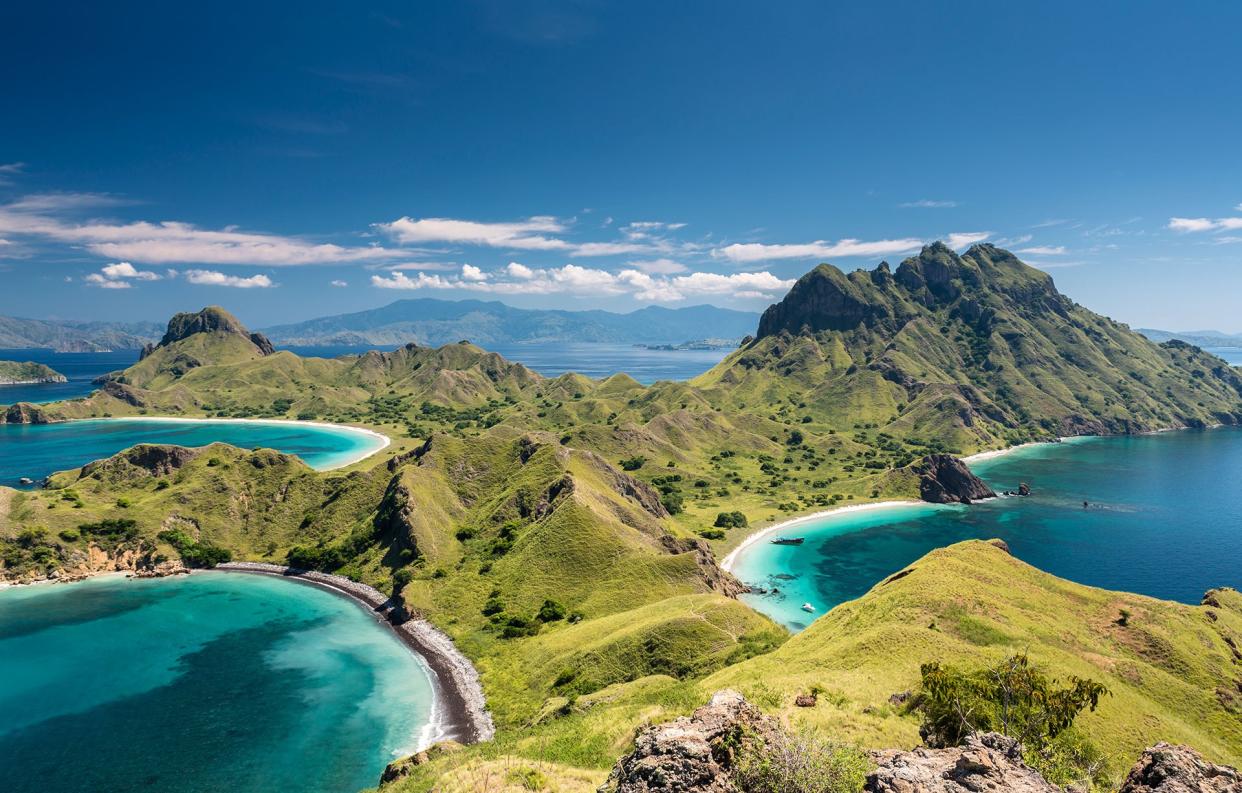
28, 373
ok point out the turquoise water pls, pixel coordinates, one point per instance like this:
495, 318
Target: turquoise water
215, 682
1165, 519
36, 450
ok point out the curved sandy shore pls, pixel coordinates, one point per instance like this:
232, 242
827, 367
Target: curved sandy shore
384, 440
459, 710
729, 560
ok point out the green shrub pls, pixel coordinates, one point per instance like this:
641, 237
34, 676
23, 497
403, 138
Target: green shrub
1013, 698
801, 762
673, 502
1071, 759
550, 611
195, 553
731, 520
633, 463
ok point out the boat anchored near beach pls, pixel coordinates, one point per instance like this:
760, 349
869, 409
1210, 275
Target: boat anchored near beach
808, 608
788, 540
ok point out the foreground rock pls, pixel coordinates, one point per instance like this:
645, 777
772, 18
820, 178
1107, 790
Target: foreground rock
694, 754
944, 479
1165, 768
986, 762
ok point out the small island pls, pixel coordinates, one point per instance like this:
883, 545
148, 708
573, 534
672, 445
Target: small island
28, 373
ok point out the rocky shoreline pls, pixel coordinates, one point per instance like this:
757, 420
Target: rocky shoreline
460, 710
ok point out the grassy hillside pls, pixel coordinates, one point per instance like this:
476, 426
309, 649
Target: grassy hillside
28, 372
1172, 671
972, 351
564, 530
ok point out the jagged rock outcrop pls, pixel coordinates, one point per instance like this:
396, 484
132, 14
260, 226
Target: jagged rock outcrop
823, 299
694, 754
944, 479
212, 319
1165, 768
145, 458
24, 413
986, 762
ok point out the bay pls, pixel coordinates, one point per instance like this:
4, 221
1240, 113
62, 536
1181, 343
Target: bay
215, 681
1163, 518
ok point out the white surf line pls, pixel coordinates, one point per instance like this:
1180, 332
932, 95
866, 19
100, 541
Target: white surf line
732, 557
384, 440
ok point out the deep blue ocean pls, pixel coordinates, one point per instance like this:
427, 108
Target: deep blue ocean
201, 684
1164, 518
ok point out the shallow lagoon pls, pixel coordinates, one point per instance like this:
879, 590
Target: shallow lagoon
36, 450
1164, 519
216, 681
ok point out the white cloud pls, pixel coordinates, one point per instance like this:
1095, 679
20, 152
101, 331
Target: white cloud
961, 239
658, 266
168, 242
529, 234
471, 273
927, 203
754, 251
127, 270
1204, 224
10, 169
339, 283
1045, 250
1238, 208
538, 233
518, 270
399, 280
573, 279
609, 248
213, 278
119, 274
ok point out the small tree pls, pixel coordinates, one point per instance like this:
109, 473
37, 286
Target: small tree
1013, 698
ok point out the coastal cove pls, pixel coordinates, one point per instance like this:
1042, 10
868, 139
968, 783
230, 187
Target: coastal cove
1161, 520
250, 682
34, 451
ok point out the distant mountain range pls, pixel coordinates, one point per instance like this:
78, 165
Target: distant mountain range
69, 336
1199, 338
435, 322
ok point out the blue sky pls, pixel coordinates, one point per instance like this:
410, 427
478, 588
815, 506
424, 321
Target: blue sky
294, 160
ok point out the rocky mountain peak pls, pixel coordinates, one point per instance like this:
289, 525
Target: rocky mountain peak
212, 319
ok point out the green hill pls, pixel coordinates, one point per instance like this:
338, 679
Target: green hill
564, 530
15, 372
976, 350
1172, 670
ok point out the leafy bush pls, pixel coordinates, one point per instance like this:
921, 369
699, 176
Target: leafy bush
308, 558
731, 520
711, 534
195, 553
673, 502
633, 463
112, 529
1013, 698
550, 611
1071, 759
801, 762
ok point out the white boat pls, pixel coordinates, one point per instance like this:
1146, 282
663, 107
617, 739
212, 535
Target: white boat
808, 607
